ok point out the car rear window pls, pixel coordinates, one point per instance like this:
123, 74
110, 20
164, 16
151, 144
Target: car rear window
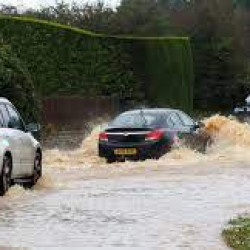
138, 119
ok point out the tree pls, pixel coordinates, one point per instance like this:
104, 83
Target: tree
16, 84
95, 17
214, 55
141, 18
219, 32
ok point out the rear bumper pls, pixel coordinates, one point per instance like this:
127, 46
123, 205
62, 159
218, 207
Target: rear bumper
145, 151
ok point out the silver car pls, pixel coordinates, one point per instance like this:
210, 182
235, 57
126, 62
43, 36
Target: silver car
20, 152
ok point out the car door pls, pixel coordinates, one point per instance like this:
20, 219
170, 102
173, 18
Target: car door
174, 127
24, 141
13, 138
4, 142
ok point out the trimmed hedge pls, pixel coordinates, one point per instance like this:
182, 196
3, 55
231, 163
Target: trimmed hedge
65, 60
169, 72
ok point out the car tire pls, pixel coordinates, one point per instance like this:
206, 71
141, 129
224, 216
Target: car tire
37, 171
5, 178
110, 160
160, 152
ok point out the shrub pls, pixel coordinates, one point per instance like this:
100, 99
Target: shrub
16, 84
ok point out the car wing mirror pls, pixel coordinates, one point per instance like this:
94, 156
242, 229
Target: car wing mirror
33, 127
198, 125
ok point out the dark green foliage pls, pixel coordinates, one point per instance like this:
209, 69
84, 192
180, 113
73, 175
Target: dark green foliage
237, 235
140, 18
216, 71
219, 32
64, 60
243, 3
168, 67
16, 84
96, 16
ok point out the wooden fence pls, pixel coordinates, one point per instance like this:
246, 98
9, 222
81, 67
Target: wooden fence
73, 110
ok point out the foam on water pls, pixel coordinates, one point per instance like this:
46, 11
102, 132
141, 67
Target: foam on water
17, 191
50, 180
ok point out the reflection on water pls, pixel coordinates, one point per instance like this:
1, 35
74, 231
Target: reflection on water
178, 202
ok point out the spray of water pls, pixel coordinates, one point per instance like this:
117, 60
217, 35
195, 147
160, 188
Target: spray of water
86, 155
231, 144
231, 141
17, 191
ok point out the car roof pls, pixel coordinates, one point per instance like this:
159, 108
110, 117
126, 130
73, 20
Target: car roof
4, 100
157, 110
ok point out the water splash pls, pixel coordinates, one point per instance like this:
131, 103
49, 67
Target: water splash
17, 191
85, 155
231, 142
50, 180
231, 139
222, 128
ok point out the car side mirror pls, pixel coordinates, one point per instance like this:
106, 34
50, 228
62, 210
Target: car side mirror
198, 125
33, 127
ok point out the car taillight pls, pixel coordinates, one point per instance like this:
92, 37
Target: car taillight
103, 136
155, 135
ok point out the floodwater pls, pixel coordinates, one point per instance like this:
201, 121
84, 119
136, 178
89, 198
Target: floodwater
182, 201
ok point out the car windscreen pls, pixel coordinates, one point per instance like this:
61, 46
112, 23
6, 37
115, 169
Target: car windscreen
138, 119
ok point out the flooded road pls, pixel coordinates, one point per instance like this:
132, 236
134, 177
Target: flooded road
181, 201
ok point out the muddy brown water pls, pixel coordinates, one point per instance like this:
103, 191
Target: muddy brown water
182, 201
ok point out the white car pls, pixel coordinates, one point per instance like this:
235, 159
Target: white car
20, 152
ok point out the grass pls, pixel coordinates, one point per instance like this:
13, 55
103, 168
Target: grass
237, 234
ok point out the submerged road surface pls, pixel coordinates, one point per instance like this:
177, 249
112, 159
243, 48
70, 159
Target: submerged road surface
182, 201
150, 207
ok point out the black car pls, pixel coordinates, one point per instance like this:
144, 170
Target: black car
149, 133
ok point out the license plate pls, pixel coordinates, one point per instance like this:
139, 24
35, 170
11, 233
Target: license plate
125, 151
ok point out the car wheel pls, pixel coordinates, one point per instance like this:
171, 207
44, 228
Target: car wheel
37, 172
160, 152
110, 160
5, 178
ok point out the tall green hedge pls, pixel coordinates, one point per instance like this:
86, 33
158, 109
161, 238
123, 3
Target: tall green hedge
167, 68
65, 60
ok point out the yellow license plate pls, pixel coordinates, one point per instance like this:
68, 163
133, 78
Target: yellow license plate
125, 151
